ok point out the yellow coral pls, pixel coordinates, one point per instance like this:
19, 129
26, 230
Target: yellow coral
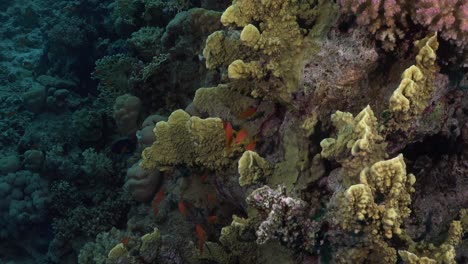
149, 241
378, 251
188, 140
423, 252
221, 101
250, 35
239, 69
416, 87
358, 143
252, 168
222, 48
116, 253
388, 180
411, 258
278, 42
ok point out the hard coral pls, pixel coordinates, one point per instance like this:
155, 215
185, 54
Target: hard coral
127, 110
185, 140
449, 17
389, 181
288, 219
277, 41
358, 143
384, 18
390, 20
142, 183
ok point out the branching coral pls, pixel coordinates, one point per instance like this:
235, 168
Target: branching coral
386, 19
114, 72
391, 20
146, 42
96, 165
288, 219
448, 17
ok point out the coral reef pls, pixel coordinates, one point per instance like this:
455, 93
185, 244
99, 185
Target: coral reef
273, 131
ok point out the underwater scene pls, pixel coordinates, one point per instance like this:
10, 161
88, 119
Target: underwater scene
233, 131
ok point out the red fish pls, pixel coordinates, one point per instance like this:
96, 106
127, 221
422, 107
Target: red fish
157, 200
125, 240
212, 219
229, 132
212, 199
248, 113
241, 136
204, 177
201, 237
182, 209
251, 145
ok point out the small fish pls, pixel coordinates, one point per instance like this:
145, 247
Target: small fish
182, 209
229, 133
251, 145
204, 177
241, 136
157, 200
212, 219
212, 199
201, 237
124, 145
125, 241
247, 113
10, 114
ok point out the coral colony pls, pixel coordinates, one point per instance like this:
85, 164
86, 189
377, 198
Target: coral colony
234, 132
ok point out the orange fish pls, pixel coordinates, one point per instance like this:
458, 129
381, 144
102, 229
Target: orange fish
125, 240
182, 209
248, 113
201, 237
229, 132
157, 200
212, 219
212, 199
241, 136
251, 145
